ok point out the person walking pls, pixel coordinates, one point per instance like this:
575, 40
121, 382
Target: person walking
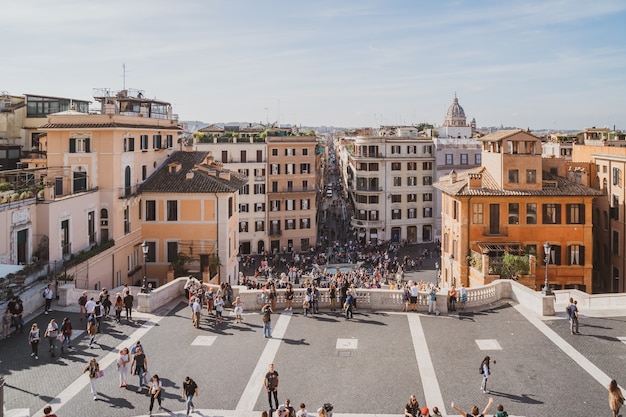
238, 309
267, 321
94, 373
432, 300
33, 338
573, 317
82, 302
122, 364
219, 309
92, 329
99, 313
139, 366
118, 306
616, 398
52, 331
271, 385
463, 296
452, 298
332, 295
48, 295
128, 305
475, 410
486, 372
66, 331
155, 392
196, 308
6, 323
190, 390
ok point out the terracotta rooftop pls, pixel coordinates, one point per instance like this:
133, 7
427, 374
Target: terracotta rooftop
189, 172
553, 186
107, 125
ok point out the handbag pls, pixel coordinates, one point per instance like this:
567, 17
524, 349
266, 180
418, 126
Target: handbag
60, 337
99, 374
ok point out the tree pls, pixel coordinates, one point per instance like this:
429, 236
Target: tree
513, 266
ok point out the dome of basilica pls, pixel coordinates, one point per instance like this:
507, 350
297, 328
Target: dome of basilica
455, 115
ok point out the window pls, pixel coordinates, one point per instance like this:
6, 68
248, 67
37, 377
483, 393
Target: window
275, 152
169, 141
427, 197
305, 224
513, 176
449, 159
274, 186
412, 198
224, 157
396, 166
290, 169
144, 172
427, 149
244, 208
305, 168
259, 226
259, 188
455, 210
150, 210
80, 145
373, 215
575, 214
411, 149
615, 243
551, 214
129, 144
243, 156
275, 205
244, 171
464, 159
305, 204
305, 151
151, 256
259, 207
427, 180
373, 167
412, 213
531, 176
290, 205
290, 224
243, 226
614, 209
373, 199
172, 210
156, 142
477, 158
290, 152
289, 185
80, 181
412, 166
259, 155
395, 149
477, 213
426, 166
143, 142
428, 212
275, 169
395, 214
397, 181
245, 190
396, 198
554, 258
576, 255
126, 220
617, 176
411, 181
172, 252
513, 213
531, 213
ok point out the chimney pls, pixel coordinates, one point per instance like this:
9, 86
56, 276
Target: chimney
189, 175
475, 181
452, 177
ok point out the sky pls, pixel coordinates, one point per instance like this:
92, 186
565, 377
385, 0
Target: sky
539, 64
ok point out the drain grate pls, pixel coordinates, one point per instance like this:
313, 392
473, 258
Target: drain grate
344, 353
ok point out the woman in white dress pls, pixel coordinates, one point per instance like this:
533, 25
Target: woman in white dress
122, 366
238, 310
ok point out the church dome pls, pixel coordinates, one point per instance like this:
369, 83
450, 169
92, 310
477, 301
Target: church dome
455, 115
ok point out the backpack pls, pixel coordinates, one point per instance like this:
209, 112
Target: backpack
568, 310
97, 309
266, 316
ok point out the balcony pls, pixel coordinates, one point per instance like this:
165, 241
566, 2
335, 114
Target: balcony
128, 192
496, 231
275, 232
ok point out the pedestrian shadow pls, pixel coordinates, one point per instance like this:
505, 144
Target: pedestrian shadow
115, 402
44, 398
324, 319
523, 399
299, 342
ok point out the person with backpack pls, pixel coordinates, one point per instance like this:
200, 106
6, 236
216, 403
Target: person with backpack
267, 323
118, 306
190, 390
48, 295
66, 331
573, 316
82, 302
98, 313
348, 306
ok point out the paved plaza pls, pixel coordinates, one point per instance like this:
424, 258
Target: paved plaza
368, 366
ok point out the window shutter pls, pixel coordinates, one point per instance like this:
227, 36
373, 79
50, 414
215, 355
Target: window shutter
582, 214
72, 145
568, 213
557, 254
581, 255
88, 145
558, 214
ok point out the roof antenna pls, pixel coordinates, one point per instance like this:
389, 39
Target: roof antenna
123, 76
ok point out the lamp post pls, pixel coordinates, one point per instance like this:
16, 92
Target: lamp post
452, 269
546, 285
144, 248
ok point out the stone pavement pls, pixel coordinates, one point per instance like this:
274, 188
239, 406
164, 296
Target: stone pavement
368, 366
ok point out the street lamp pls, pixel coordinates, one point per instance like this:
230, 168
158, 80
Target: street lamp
546, 285
145, 248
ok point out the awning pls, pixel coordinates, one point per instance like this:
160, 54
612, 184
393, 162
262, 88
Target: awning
374, 235
498, 246
362, 234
